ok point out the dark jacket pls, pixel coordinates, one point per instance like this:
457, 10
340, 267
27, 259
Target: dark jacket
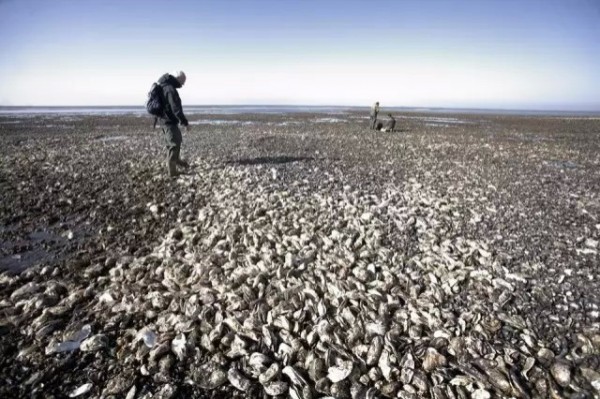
391, 124
173, 109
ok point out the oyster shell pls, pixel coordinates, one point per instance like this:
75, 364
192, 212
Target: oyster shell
561, 371
238, 380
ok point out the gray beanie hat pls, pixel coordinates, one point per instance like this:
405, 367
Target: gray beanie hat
180, 76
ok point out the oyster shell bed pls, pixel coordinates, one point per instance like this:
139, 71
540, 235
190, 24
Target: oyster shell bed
301, 259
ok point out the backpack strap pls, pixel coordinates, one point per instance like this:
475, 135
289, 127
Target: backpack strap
162, 100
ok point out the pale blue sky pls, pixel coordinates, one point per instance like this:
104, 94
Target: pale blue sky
530, 54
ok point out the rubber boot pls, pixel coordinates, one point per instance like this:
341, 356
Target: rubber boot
172, 168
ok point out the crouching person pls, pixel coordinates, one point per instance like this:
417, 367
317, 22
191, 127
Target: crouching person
172, 117
388, 126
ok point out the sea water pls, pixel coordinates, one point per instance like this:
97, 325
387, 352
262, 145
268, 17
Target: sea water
275, 109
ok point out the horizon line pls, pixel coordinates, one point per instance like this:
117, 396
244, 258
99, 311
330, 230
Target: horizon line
580, 110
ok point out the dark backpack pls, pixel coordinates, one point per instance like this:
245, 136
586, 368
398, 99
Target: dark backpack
155, 105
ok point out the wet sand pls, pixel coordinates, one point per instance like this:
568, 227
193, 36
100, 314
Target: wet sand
80, 191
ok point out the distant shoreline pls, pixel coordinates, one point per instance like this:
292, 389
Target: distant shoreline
278, 109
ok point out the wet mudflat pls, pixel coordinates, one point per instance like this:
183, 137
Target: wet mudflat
302, 255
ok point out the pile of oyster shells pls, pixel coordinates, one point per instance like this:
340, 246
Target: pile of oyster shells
301, 290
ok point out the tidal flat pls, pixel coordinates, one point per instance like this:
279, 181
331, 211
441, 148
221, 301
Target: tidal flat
301, 255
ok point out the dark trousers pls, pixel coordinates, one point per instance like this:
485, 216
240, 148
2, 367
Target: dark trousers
173, 140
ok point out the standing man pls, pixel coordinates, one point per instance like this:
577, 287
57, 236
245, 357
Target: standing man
374, 112
172, 117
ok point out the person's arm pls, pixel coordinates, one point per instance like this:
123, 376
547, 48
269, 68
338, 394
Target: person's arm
175, 103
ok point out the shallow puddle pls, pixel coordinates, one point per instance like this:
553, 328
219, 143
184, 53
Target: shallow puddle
219, 122
112, 138
37, 243
328, 120
437, 125
19, 262
559, 164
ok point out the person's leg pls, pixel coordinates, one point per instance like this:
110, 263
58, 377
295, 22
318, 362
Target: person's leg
181, 162
173, 142
179, 139
171, 164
